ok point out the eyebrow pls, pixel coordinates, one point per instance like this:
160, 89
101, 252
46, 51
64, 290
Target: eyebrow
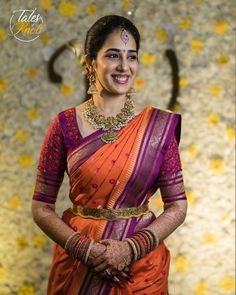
118, 50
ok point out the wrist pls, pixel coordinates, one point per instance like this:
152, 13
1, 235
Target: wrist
142, 243
78, 246
129, 250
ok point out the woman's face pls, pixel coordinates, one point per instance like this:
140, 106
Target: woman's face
117, 63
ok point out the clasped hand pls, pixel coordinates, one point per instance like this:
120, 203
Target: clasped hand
110, 259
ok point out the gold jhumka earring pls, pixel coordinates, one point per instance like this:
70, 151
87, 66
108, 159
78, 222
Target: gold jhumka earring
92, 87
131, 92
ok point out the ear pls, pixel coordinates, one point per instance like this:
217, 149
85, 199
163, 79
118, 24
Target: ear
90, 64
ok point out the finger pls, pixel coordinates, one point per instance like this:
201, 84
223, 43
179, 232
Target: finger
128, 271
101, 267
104, 242
126, 277
97, 253
97, 261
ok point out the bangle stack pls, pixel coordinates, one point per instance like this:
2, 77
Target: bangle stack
142, 243
78, 246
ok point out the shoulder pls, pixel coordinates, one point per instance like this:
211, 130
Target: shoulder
63, 118
166, 112
66, 112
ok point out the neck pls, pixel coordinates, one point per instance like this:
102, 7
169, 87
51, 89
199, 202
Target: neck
111, 105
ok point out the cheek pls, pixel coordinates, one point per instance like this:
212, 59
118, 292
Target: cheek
105, 69
135, 68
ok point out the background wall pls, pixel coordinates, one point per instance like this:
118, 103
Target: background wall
202, 34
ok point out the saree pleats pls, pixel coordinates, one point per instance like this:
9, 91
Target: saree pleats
116, 175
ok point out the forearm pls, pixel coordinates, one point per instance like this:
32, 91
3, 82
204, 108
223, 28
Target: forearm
169, 220
50, 223
148, 238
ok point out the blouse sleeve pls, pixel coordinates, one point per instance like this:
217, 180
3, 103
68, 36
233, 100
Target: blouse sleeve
51, 164
170, 178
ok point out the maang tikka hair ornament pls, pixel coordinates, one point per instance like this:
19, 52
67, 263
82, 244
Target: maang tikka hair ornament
124, 36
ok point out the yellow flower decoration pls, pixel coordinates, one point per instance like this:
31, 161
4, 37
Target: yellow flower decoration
3, 85
181, 263
201, 288
224, 216
213, 119
221, 27
26, 160
39, 241
46, 4
26, 289
191, 197
148, 59
91, 9
45, 38
217, 165
192, 150
185, 23
209, 238
197, 45
126, 4
67, 8
177, 109
15, 202
2, 273
227, 284
2, 35
161, 35
183, 82
32, 114
230, 133
21, 135
222, 59
215, 90
67, 89
157, 202
139, 83
21, 242
32, 72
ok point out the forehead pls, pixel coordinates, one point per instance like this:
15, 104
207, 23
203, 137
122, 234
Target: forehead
117, 40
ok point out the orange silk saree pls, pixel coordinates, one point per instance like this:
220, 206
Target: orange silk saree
114, 175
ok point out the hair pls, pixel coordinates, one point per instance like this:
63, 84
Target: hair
98, 33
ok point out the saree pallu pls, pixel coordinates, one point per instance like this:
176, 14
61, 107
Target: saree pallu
115, 175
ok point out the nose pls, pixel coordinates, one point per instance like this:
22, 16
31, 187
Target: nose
123, 65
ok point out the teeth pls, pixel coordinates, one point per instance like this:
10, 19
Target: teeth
121, 78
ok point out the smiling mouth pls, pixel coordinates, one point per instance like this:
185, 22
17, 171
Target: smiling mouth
120, 79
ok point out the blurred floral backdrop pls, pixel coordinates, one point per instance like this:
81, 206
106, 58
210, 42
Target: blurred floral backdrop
202, 34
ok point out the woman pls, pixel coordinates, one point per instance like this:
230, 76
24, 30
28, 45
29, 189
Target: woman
109, 242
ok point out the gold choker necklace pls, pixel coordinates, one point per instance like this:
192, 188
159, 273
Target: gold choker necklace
110, 124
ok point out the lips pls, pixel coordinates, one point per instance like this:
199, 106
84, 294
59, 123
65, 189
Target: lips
120, 79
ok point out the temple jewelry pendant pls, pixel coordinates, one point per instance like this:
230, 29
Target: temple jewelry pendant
110, 136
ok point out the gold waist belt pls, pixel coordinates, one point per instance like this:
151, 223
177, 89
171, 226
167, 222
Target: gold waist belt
109, 214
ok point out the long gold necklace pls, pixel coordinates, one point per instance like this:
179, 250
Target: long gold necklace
110, 124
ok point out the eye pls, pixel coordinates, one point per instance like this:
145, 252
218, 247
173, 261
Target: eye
133, 57
112, 55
